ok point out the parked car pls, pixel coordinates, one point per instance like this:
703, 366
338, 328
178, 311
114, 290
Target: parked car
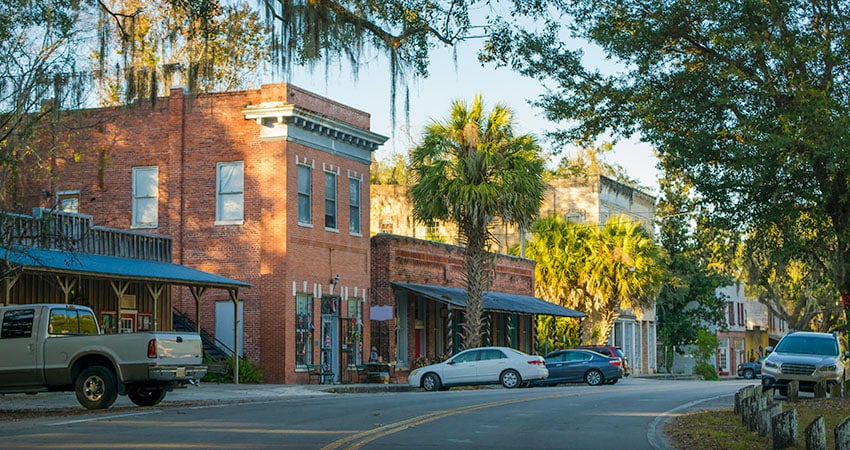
751, 370
807, 357
483, 365
610, 351
575, 366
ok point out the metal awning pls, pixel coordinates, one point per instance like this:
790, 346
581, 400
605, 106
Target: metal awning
493, 301
111, 267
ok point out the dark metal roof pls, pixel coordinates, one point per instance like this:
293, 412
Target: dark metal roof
111, 267
493, 301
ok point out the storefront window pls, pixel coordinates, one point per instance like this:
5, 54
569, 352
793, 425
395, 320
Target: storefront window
303, 330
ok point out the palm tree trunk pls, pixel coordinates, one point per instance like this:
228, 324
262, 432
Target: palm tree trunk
477, 262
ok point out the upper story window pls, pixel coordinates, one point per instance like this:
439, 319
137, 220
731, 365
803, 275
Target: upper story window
145, 197
305, 194
230, 193
68, 201
354, 205
330, 200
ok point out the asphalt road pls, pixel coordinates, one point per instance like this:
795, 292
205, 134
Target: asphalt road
629, 414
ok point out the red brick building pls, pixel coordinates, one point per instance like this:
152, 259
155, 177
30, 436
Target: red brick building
418, 301
269, 187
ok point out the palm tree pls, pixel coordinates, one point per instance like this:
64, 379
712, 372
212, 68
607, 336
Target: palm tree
595, 271
625, 271
470, 170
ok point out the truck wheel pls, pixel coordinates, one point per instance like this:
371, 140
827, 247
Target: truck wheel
146, 397
96, 388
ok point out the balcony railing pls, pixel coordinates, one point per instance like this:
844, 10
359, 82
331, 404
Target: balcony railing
58, 230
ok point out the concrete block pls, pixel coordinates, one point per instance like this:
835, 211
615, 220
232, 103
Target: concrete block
784, 429
820, 389
842, 435
793, 391
765, 418
816, 435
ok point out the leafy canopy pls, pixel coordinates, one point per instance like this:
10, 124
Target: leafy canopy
748, 101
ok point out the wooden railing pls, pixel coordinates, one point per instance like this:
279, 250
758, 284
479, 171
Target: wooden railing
59, 230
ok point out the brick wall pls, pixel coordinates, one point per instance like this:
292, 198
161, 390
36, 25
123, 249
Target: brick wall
185, 138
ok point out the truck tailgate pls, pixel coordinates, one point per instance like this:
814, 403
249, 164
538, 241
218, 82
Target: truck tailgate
175, 348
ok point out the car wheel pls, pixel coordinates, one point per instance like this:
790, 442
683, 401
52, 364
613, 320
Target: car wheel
95, 387
510, 379
749, 374
431, 382
594, 377
146, 397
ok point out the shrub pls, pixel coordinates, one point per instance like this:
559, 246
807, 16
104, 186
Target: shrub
706, 370
248, 372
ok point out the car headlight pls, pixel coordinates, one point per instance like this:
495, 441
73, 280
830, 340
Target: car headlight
413, 374
830, 368
771, 364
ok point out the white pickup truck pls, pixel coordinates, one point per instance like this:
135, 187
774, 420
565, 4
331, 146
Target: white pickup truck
57, 347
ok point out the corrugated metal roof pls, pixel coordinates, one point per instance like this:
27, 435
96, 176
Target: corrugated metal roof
111, 267
493, 301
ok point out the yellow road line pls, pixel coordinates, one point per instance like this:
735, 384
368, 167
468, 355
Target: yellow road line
358, 440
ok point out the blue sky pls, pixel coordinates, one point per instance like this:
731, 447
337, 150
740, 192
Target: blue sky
431, 98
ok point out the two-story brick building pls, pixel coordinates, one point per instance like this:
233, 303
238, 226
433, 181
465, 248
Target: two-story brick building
267, 186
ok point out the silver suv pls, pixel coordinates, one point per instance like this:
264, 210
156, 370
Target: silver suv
807, 357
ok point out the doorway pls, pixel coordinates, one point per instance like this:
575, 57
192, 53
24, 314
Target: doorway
329, 356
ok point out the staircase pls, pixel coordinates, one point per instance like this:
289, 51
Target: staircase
212, 348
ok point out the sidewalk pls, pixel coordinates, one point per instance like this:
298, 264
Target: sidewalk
206, 392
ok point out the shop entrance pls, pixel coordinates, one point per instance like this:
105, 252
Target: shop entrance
329, 357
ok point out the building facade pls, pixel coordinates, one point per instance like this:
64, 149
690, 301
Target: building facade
418, 301
267, 186
588, 200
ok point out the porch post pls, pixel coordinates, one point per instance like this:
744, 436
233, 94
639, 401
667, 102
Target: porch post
234, 297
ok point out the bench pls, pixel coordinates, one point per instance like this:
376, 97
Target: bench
321, 375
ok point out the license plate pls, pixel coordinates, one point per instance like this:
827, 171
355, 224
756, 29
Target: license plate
181, 372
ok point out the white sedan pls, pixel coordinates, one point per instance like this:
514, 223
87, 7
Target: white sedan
483, 365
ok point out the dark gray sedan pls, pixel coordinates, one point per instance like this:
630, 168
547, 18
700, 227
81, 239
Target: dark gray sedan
575, 366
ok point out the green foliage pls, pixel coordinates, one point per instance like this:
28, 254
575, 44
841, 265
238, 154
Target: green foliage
471, 169
555, 333
390, 170
747, 101
705, 346
210, 47
595, 271
248, 372
590, 160
706, 370
688, 300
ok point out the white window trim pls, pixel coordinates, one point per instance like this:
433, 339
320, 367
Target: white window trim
218, 205
335, 174
68, 193
359, 180
309, 165
133, 223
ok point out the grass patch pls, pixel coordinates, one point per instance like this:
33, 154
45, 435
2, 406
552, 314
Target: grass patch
723, 429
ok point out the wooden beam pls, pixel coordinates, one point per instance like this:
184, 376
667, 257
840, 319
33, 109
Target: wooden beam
156, 291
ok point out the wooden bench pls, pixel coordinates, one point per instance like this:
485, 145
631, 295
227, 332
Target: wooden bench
321, 375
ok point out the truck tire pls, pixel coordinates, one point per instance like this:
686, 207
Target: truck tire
146, 397
96, 388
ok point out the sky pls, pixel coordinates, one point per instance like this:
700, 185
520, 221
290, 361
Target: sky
431, 98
